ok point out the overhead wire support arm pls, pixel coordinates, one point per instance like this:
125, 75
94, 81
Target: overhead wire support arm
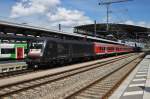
108, 3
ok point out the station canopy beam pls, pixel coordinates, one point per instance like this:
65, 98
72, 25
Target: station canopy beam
13, 31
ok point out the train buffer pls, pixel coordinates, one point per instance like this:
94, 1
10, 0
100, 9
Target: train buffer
137, 84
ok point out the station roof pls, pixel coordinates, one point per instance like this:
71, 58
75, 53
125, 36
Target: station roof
114, 27
118, 30
15, 37
8, 27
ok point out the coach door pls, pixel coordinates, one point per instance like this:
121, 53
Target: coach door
20, 53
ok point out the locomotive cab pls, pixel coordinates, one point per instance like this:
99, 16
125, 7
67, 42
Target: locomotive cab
36, 50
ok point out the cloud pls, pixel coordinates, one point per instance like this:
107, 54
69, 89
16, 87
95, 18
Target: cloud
51, 10
140, 23
30, 7
68, 17
129, 22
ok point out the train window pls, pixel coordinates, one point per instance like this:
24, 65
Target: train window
100, 48
103, 48
109, 48
8, 51
36, 45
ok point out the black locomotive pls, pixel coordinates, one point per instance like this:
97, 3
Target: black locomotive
44, 51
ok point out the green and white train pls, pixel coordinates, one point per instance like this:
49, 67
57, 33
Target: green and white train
13, 51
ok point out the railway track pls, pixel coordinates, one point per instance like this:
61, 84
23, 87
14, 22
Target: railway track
24, 71
102, 88
66, 84
15, 73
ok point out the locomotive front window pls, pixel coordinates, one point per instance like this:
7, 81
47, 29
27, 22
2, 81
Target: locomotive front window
36, 45
36, 49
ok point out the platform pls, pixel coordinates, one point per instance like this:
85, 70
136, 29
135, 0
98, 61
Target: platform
7, 66
137, 84
11, 61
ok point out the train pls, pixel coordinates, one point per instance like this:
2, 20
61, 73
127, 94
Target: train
45, 51
13, 51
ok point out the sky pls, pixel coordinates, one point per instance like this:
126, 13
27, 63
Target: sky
70, 13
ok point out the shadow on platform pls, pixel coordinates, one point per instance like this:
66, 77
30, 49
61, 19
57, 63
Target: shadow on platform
147, 89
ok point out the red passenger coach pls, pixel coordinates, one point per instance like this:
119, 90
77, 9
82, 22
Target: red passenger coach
110, 48
99, 48
102, 48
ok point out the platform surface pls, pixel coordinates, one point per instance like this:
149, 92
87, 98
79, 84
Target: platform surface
11, 61
12, 65
137, 84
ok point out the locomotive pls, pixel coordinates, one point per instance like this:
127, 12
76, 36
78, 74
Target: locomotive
45, 50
